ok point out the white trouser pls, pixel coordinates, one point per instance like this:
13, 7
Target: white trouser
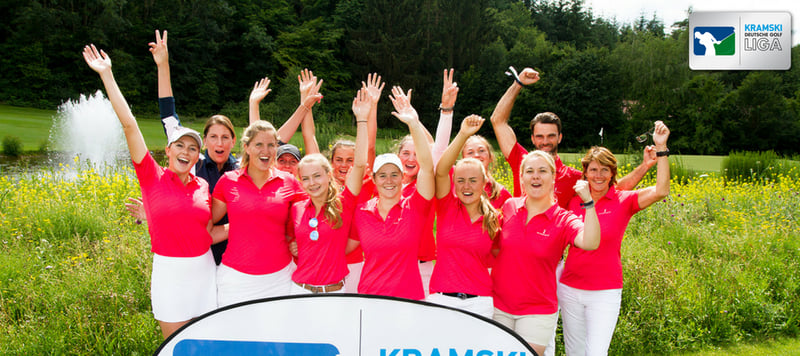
481, 305
425, 271
351, 281
589, 318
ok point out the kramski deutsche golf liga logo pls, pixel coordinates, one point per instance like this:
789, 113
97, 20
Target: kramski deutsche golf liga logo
714, 41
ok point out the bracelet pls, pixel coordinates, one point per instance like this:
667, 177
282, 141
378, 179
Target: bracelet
588, 205
664, 153
357, 121
513, 73
307, 108
441, 108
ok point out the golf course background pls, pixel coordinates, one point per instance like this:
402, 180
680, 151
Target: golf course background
713, 265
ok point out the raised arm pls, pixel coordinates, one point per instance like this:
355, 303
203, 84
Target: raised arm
101, 63
307, 81
361, 109
374, 87
650, 195
287, 130
469, 127
160, 54
589, 239
166, 102
259, 92
632, 179
506, 138
406, 113
449, 95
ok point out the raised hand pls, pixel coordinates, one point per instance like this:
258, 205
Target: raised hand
307, 80
402, 106
582, 190
649, 158
660, 135
449, 89
471, 125
98, 61
528, 76
159, 49
374, 87
260, 90
362, 104
313, 95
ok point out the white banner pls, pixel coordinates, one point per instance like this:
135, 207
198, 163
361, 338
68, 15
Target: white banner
348, 324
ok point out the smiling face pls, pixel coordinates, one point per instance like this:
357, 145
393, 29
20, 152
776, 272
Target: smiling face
388, 181
183, 155
261, 150
476, 148
598, 176
537, 177
219, 142
408, 156
314, 179
469, 182
546, 137
342, 160
287, 163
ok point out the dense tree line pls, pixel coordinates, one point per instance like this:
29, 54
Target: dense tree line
595, 72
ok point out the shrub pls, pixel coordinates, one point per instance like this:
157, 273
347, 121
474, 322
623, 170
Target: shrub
12, 146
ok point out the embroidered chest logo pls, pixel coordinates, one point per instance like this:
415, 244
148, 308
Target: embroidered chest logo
604, 212
543, 233
234, 194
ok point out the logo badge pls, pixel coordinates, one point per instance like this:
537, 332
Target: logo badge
727, 40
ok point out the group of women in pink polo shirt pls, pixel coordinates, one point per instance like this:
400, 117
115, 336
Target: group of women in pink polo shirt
495, 255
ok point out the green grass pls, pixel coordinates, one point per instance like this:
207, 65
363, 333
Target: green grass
780, 347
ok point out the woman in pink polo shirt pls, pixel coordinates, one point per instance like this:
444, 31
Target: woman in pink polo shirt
182, 283
390, 225
467, 222
535, 232
321, 224
590, 291
257, 198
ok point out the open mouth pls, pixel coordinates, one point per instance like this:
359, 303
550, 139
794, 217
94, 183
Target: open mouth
219, 152
467, 194
264, 159
183, 160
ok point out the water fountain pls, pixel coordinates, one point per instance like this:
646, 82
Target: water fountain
88, 129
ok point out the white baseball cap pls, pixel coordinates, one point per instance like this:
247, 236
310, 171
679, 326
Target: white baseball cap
387, 158
185, 131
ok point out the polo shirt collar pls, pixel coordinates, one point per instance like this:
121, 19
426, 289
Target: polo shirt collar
242, 172
611, 194
519, 203
174, 177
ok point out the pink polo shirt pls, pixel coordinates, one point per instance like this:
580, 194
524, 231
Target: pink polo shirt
566, 176
524, 273
464, 251
258, 218
391, 246
178, 214
427, 246
321, 262
367, 192
602, 268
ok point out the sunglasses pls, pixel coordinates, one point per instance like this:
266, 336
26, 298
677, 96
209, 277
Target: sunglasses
314, 235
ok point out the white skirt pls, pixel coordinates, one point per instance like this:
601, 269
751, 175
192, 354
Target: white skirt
235, 287
182, 288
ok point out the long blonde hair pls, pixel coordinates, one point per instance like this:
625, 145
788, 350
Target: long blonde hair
333, 204
496, 187
250, 132
491, 217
